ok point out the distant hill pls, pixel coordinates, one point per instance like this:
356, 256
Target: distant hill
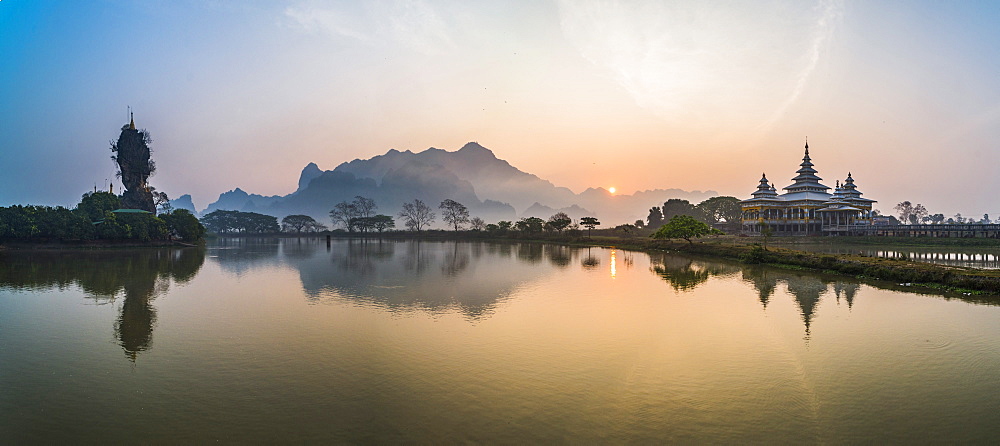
490, 187
184, 202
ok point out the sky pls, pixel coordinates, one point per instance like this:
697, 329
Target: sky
696, 95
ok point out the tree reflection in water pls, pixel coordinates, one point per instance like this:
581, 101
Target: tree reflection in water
590, 261
559, 256
138, 275
685, 274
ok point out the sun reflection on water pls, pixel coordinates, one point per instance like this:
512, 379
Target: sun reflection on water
614, 269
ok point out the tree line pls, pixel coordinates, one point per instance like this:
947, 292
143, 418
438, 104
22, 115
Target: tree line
715, 210
913, 214
360, 215
94, 219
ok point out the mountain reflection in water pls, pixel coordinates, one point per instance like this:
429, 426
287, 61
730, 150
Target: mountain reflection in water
136, 275
432, 276
293, 341
472, 278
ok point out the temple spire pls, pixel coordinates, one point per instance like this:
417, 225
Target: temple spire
806, 179
764, 189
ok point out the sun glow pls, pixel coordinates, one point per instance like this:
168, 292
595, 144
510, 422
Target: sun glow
614, 266
612, 189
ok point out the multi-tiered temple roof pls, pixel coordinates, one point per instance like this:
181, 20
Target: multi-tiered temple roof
806, 184
807, 187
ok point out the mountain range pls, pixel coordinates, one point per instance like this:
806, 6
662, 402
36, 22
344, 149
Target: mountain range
490, 187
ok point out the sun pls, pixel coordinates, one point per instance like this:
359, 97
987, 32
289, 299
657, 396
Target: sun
612, 189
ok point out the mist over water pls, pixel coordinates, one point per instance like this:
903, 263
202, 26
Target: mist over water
425, 341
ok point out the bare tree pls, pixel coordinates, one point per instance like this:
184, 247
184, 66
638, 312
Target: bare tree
454, 213
354, 215
910, 213
476, 224
365, 207
161, 202
416, 215
343, 214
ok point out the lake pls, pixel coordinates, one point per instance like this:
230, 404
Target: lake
294, 341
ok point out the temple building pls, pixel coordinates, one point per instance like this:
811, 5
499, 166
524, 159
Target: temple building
807, 207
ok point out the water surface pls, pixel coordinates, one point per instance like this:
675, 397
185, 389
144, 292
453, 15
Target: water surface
367, 341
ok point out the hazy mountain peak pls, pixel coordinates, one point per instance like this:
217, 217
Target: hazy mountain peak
472, 175
309, 173
476, 150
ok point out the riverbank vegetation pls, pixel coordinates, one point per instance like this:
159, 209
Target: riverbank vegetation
98, 219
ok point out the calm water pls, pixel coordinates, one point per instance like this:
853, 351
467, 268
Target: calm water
441, 342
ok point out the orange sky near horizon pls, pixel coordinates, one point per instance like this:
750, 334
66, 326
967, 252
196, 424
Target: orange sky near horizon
635, 95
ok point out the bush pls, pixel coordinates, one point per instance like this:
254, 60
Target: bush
756, 255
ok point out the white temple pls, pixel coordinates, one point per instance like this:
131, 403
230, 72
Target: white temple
806, 208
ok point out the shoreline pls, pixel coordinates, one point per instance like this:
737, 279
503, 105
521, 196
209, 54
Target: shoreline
50, 245
779, 253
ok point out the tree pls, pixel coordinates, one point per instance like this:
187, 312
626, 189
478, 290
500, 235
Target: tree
343, 214
685, 227
354, 215
161, 202
721, 209
382, 222
93, 205
626, 228
590, 223
365, 207
655, 218
416, 215
297, 223
505, 225
639, 224
530, 224
183, 224
44, 222
227, 222
476, 224
766, 232
677, 206
910, 213
454, 213
559, 221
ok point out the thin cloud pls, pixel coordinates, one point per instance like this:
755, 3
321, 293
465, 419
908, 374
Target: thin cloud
833, 11
330, 21
412, 24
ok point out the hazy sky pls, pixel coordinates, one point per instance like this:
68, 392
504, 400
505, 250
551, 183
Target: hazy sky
636, 95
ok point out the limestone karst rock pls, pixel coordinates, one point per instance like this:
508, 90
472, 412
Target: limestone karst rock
134, 166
